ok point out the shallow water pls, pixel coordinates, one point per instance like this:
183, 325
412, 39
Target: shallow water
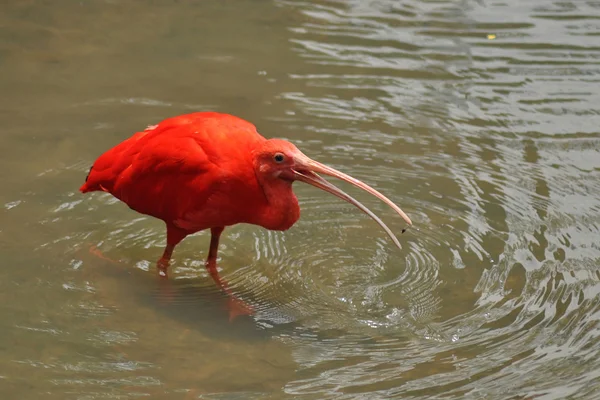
479, 118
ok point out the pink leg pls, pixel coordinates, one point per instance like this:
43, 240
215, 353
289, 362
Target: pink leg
211, 260
174, 236
236, 306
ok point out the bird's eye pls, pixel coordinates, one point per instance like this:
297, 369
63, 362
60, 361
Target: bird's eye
278, 157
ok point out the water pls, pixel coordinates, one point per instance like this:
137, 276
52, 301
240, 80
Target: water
479, 118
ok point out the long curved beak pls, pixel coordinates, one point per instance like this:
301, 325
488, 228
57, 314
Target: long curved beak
306, 171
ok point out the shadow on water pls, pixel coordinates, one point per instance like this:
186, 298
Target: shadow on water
128, 323
196, 302
479, 118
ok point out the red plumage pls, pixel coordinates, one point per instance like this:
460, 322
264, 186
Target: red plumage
182, 165
211, 170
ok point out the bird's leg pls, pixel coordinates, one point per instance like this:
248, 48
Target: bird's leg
174, 236
211, 260
236, 306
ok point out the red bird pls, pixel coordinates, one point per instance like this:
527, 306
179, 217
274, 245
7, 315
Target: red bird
209, 170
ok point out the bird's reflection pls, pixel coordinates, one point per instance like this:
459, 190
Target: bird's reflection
197, 303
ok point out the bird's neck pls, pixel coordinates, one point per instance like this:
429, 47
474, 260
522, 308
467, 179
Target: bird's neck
282, 209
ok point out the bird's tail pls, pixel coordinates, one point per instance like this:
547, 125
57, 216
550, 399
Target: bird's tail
108, 168
85, 187
93, 182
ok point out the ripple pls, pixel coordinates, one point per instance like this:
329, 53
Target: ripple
490, 146
479, 119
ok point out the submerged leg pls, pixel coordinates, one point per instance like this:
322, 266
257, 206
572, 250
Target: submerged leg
211, 260
236, 306
174, 236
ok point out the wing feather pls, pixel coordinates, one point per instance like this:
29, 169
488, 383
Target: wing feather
171, 170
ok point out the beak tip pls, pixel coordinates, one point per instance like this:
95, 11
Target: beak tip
407, 228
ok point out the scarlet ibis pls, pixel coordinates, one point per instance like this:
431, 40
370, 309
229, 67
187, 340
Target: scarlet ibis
210, 170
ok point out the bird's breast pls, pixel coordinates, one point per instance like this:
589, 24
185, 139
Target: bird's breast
279, 214
233, 203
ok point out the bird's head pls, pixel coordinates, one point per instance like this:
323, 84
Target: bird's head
279, 159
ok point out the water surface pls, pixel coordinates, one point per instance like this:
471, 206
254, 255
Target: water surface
479, 118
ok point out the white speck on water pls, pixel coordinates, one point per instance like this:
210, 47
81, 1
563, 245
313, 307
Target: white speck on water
76, 264
457, 261
395, 316
67, 206
102, 125
45, 172
144, 265
12, 204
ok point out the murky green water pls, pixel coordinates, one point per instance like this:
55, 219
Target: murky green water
490, 143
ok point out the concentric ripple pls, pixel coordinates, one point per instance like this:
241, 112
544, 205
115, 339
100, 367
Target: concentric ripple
479, 119
484, 130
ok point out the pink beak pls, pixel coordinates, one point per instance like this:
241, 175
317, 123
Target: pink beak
306, 169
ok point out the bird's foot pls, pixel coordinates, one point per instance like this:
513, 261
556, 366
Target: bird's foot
96, 252
162, 266
238, 308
